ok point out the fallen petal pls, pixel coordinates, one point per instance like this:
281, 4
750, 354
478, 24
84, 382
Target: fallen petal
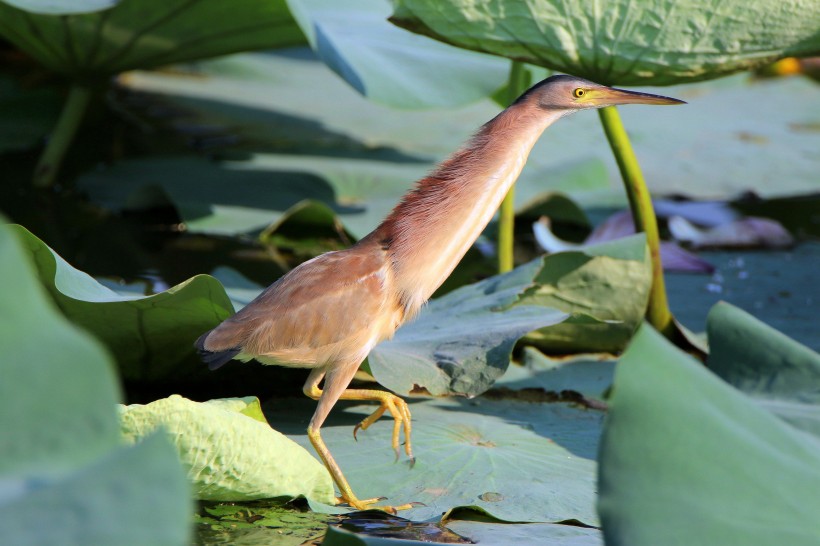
744, 233
675, 258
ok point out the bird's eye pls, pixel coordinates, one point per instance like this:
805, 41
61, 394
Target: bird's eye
578, 93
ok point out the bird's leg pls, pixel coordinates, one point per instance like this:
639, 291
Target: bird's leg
389, 402
337, 380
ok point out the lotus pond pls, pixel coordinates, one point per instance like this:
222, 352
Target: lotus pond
216, 151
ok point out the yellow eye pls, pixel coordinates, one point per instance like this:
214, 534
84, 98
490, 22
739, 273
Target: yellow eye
578, 93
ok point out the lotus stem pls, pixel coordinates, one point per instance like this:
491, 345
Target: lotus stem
516, 84
643, 214
71, 117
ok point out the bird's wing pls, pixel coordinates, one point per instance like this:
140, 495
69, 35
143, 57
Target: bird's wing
334, 303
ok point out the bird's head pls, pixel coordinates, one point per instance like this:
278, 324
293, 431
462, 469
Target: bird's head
568, 93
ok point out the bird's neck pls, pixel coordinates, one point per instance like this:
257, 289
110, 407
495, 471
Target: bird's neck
435, 224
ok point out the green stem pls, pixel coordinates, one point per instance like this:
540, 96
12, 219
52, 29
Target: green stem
70, 119
658, 313
516, 84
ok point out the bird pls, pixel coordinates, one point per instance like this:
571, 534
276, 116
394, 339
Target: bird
329, 312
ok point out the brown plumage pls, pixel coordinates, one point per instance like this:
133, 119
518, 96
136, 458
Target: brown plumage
328, 313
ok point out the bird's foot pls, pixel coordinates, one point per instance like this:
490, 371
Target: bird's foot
401, 420
368, 504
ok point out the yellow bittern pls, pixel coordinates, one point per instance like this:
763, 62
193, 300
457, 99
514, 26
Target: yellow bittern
329, 312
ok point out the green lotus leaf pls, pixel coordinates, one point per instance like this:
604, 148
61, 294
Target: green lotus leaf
151, 337
130, 496
230, 456
516, 461
681, 446
657, 42
64, 478
605, 289
43, 353
248, 405
147, 33
56, 7
391, 66
779, 373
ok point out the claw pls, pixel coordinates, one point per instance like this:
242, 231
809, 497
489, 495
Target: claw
368, 504
401, 421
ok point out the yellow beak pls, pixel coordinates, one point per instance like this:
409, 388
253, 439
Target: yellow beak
609, 96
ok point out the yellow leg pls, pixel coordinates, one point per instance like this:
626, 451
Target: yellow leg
388, 402
346, 493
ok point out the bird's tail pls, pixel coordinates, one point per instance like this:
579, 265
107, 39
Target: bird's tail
214, 359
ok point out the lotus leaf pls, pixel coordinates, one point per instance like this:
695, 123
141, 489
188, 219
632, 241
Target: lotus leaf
56, 7
681, 446
63, 477
146, 33
391, 66
151, 337
230, 456
516, 461
605, 289
657, 42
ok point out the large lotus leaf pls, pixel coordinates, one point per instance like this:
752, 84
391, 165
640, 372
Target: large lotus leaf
389, 65
147, 33
605, 288
63, 477
150, 336
778, 372
656, 42
42, 353
130, 496
56, 7
230, 456
516, 461
687, 459
462, 341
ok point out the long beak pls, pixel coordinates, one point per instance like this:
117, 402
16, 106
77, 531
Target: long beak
609, 96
